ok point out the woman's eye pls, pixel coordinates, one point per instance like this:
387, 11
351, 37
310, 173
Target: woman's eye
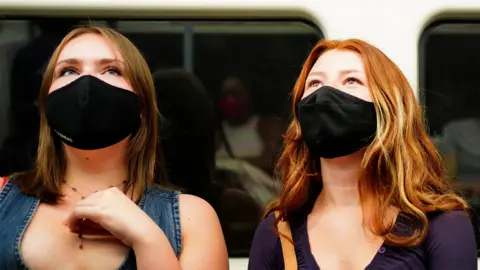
113, 71
314, 84
68, 72
352, 80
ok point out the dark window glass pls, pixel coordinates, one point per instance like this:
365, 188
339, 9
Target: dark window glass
449, 61
222, 89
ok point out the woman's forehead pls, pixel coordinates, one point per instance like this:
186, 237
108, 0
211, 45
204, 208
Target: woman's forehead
337, 61
89, 47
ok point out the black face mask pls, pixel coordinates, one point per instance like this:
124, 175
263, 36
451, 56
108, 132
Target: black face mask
92, 114
336, 124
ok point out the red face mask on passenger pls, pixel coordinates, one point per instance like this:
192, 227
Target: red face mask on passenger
232, 108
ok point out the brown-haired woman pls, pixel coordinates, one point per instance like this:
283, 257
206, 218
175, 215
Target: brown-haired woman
94, 199
364, 187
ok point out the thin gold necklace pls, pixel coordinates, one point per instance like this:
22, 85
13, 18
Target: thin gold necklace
74, 189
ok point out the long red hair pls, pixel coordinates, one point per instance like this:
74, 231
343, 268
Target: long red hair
400, 168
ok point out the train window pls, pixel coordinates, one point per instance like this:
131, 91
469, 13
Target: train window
222, 89
449, 60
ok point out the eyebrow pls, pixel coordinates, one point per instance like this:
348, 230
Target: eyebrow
102, 61
343, 72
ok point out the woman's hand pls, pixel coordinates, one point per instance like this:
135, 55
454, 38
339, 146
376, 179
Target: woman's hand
111, 210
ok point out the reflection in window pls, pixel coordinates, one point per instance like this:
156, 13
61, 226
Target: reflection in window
222, 90
450, 59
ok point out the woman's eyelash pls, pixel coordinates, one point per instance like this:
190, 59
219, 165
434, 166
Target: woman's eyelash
314, 82
114, 69
353, 79
63, 71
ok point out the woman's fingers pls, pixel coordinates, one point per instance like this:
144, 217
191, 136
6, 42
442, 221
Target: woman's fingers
80, 214
83, 230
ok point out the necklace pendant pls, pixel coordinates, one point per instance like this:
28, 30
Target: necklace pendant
80, 236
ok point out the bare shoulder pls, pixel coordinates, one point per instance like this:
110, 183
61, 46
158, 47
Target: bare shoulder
193, 208
202, 237
195, 211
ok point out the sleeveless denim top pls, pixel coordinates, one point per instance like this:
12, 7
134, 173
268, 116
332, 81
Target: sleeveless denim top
17, 209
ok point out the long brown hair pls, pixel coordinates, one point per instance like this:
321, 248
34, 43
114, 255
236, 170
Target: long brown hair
400, 168
45, 180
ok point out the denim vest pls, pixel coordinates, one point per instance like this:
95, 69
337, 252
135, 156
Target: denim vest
17, 209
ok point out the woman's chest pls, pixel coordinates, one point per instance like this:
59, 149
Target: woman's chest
344, 245
329, 255
348, 249
48, 244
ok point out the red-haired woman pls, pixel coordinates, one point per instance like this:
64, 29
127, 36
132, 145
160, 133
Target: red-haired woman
364, 187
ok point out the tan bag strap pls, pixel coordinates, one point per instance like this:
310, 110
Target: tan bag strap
289, 256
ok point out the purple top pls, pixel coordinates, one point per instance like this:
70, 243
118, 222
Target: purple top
450, 244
